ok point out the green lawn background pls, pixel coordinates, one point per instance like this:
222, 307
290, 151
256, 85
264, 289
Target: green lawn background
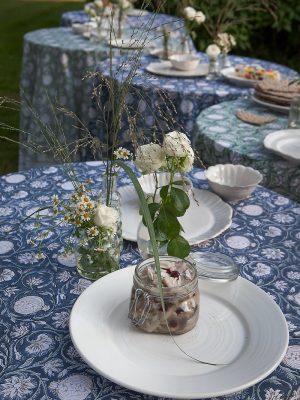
18, 17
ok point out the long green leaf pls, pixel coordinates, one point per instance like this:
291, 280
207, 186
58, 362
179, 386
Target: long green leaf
149, 223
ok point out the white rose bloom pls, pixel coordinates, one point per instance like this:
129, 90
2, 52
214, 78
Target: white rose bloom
149, 157
189, 13
213, 51
99, 4
106, 217
199, 17
188, 162
176, 144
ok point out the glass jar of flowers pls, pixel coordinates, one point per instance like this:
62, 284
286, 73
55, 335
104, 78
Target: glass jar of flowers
169, 201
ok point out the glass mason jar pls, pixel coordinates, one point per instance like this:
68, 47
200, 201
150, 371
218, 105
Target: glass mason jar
99, 255
181, 301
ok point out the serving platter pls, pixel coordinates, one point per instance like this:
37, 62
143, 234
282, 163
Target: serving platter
242, 330
230, 75
206, 218
165, 68
285, 143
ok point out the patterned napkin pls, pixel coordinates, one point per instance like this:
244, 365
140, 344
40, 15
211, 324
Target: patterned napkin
254, 119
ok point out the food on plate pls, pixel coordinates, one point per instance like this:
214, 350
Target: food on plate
255, 72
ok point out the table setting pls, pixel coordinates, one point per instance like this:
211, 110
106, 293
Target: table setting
271, 147
183, 94
50, 309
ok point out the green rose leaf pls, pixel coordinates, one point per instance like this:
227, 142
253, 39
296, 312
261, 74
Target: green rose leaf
179, 247
164, 192
153, 208
168, 224
178, 202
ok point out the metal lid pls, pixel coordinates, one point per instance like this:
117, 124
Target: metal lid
215, 266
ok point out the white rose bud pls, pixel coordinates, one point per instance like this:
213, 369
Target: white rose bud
187, 163
213, 51
149, 157
106, 217
199, 17
189, 13
176, 144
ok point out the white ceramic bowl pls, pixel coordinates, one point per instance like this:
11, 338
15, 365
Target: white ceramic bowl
147, 182
233, 182
184, 62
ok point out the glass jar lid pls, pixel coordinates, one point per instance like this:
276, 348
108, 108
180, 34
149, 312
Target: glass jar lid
215, 266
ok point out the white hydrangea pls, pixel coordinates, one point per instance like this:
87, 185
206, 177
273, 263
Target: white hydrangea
149, 157
176, 144
192, 15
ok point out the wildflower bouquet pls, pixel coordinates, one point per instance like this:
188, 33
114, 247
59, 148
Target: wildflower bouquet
96, 229
170, 201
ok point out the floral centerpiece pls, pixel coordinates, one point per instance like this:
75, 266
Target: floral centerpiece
96, 229
193, 18
213, 52
226, 42
170, 201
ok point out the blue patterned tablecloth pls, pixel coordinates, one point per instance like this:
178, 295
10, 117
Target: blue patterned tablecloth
162, 104
223, 138
39, 287
55, 65
139, 21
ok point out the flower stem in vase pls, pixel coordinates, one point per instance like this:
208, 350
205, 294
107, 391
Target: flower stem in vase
166, 42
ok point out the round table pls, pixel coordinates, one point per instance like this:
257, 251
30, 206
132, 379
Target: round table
162, 104
55, 68
39, 286
55, 62
223, 138
133, 21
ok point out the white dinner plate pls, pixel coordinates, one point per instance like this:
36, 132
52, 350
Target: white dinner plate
230, 75
271, 106
206, 218
246, 332
286, 143
165, 68
127, 43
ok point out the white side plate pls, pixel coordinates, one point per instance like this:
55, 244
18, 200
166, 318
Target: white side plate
271, 106
206, 218
246, 331
165, 68
286, 143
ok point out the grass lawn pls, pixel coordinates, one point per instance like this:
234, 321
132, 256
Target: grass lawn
17, 18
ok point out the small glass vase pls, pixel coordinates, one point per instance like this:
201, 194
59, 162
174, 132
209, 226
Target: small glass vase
213, 69
224, 61
97, 258
145, 245
100, 255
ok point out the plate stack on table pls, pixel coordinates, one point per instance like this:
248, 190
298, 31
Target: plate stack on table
276, 94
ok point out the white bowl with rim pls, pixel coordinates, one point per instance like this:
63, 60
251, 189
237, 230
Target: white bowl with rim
184, 62
147, 183
233, 182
